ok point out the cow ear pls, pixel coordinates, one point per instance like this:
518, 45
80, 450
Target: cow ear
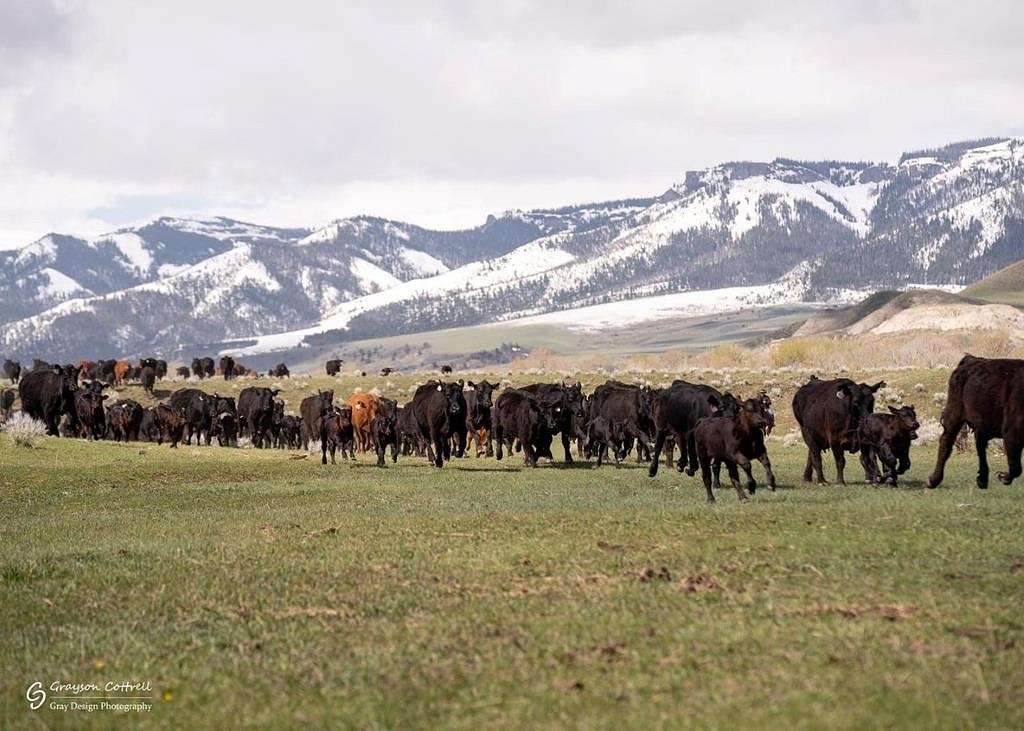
470, 384
275, 391
894, 410
880, 384
461, 382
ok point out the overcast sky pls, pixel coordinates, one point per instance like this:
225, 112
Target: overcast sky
442, 112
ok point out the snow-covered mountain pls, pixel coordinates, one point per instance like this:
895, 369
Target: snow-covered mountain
787, 230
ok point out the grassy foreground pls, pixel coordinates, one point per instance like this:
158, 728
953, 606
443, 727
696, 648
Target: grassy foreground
258, 588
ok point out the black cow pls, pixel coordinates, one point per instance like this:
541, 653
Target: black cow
12, 370
227, 367
161, 369
333, 366
676, 411
224, 427
446, 368
170, 424
387, 371
409, 432
335, 430
148, 378
829, 414
735, 439
256, 414
479, 402
197, 408
519, 415
439, 409
148, 429
104, 371
986, 394
203, 367
312, 409
38, 364
92, 423
289, 436
561, 403
125, 420
280, 371
384, 430
7, 396
628, 410
887, 437
182, 372
48, 395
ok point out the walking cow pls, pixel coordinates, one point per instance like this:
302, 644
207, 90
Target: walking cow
988, 396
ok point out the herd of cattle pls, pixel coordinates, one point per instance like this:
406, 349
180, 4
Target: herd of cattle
444, 419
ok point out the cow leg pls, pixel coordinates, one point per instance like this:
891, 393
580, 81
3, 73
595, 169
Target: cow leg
659, 444
323, 451
691, 448
499, 439
867, 461
809, 467
840, 457
462, 437
334, 447
705, 474
1012, 446
529, 454
950, 428
744, 464
716, 474
435, 448
394, 451
767, 464
734, 477
566, 446
380, 454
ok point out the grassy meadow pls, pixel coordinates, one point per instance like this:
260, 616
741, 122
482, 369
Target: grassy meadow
260, 588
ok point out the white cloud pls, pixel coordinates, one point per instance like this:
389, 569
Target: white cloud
442, 112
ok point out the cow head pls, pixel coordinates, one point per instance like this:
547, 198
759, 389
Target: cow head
726, 405
484, 393
326, 397
453, 396
766, 409
867, 394
907, 418
752, 413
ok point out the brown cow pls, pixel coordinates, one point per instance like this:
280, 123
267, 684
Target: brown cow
121, 371
364, 409
734, 440
986, 394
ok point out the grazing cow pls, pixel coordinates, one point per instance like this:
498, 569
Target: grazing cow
986, 394
386, 371
170, 424
256, 414
311, 410
197, 408
202, 368
161, 369
7, 396
628, 411
479, 402
735, 440
887, 437
384, 430
148, 379
677, 410
122, 369
227, 367
519, 416
829, 414
439, 407
335, 430
364, 409
47, 395
125, 419
561, 402
333, 366
92, 423
280, 371
12, 370
446, 368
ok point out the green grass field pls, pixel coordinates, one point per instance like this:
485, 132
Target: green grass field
260, 588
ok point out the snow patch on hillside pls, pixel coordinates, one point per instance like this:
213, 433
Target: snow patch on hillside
371, 277
133, 247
